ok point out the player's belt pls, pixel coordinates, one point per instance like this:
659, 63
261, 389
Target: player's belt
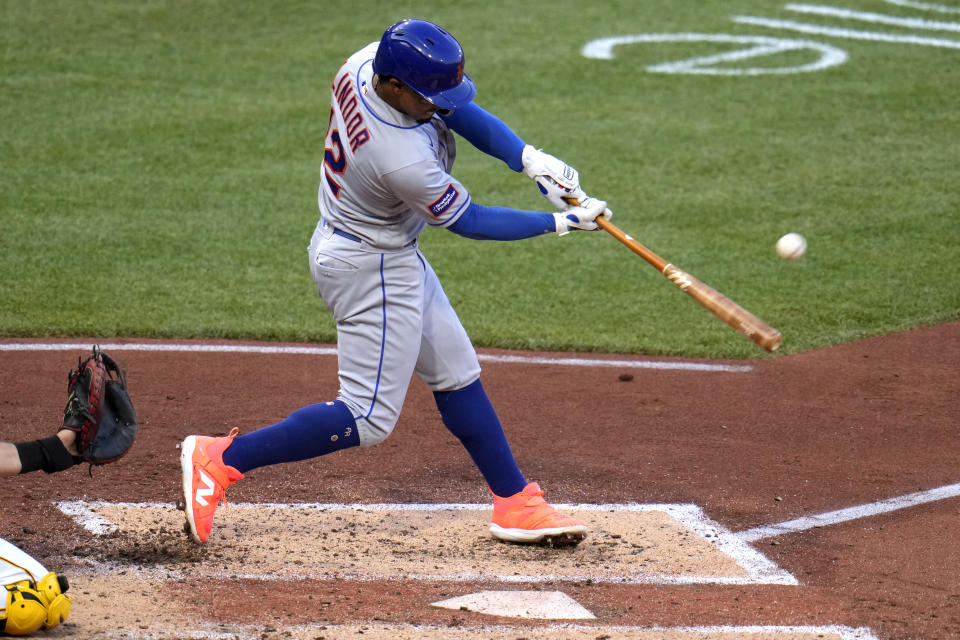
345, 234
357, 239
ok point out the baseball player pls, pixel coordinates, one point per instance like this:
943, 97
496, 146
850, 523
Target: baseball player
394, 107
98, 426
33, 597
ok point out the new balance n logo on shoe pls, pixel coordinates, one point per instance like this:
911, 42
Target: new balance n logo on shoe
208, 491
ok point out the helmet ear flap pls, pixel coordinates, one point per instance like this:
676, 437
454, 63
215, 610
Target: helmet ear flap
51, 589
58, 611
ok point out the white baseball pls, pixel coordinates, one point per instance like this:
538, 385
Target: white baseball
791, 246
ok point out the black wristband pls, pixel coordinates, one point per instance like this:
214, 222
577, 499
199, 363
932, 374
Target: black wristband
31, 456
47, 454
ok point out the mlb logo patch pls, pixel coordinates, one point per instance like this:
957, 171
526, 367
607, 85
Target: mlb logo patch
439, 206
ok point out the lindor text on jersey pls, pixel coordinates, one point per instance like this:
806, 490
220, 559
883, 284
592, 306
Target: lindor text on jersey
356, 129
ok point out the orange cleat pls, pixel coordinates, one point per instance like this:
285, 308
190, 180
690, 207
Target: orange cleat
526, 517
205, 479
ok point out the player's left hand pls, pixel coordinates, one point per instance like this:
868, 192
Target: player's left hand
584, 216
557, 181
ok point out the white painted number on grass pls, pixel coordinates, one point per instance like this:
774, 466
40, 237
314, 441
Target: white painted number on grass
762, 46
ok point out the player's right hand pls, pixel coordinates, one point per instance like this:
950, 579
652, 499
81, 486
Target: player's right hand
583, 216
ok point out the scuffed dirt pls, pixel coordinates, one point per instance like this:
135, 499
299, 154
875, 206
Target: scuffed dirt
798, 435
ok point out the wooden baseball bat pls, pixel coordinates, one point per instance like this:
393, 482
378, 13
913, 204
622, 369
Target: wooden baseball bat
712, 300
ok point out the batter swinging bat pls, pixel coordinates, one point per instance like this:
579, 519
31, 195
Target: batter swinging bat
715, 302
712, 300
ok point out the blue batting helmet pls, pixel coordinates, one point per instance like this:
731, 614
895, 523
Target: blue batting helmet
428, 60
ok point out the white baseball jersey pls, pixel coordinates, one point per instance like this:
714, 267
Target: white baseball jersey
16, 565
386, 176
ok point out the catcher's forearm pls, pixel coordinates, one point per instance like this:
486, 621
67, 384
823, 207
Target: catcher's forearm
47, 454
69, 440
9, 460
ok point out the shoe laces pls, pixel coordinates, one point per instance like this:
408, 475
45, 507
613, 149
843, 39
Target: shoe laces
223, 489
536, 499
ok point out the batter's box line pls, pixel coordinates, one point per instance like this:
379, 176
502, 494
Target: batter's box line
759, 568
245, 632
839, 631
842, 632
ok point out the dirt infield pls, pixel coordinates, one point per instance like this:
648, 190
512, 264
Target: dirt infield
790, 437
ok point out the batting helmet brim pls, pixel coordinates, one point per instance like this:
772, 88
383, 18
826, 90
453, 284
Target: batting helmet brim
459, 96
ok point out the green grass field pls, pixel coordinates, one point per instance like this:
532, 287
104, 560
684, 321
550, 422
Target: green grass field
161, 161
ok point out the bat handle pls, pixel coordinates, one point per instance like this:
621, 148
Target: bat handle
658, 263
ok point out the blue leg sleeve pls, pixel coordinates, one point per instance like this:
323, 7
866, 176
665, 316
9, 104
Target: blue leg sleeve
468, 414
311, 431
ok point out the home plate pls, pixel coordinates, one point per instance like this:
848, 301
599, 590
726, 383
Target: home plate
544, 605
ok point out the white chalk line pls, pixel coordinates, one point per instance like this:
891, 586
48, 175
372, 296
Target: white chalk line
844, 633
502, 631
328, 351
255, 632
759, 569
849, 514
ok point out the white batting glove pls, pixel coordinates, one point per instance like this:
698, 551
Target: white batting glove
556, 180
582, 217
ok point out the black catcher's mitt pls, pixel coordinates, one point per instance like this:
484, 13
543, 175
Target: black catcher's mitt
99, 409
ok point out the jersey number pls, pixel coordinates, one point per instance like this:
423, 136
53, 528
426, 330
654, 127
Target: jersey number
335, 161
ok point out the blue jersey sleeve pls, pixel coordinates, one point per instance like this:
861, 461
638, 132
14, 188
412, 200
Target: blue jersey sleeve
502, 223
487, 133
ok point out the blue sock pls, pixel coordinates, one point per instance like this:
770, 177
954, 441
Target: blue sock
308, 432
468, 414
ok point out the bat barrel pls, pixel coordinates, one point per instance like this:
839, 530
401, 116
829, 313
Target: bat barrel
763, 335
726, 309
